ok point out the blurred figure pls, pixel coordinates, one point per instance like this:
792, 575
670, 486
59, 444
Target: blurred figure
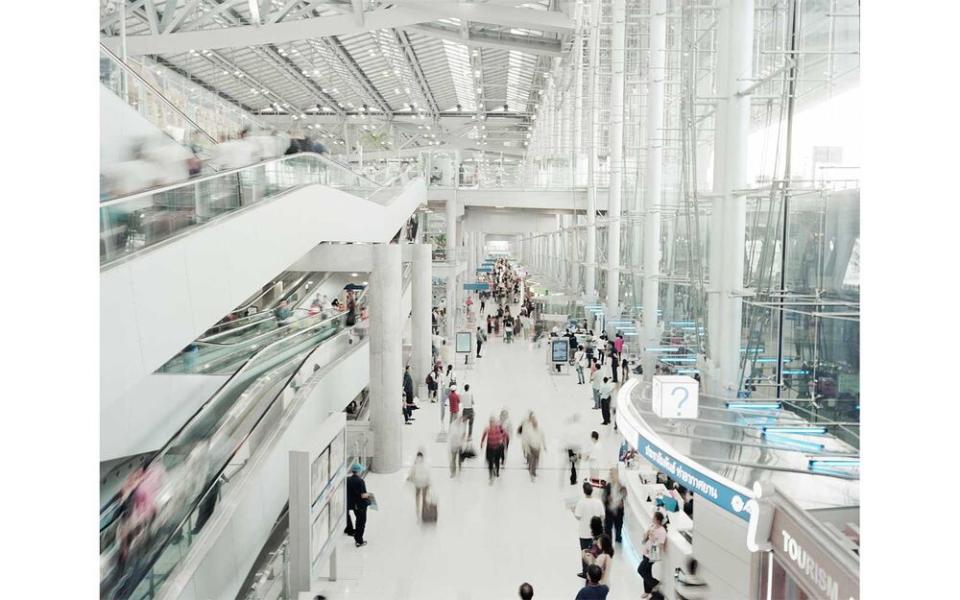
614, 497
506, 425
132, 175
494, 437
571, 443
532, 442
456, 442
234, 154
282, 312
689, 584
172, 161
526, 591
419, 476
603, 557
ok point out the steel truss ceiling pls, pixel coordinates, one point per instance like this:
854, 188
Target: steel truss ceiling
401, 65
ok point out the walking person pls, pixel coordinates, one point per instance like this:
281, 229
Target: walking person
624, 369
653, 541
494, 437
532, 442
419, 476
614, 498
481, 338
358, 499
456, 442
602, 556
433, 384
586, 509
453, 399
467, 409
408, 385
506, 425
580, 361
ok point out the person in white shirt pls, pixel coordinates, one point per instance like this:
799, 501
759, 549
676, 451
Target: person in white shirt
466, 409
419, 476
653, 542
586, 508
592, 454
606, 393
580, 361
596, 380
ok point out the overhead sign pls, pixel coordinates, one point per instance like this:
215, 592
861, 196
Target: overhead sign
693, 479
675, 396
476, 287
808, 562
484, 269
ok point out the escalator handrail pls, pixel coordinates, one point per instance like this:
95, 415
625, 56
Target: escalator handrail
229, 172
243, 368
158, 93
216, 477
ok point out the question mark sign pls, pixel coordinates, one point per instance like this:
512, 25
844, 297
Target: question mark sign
686, 396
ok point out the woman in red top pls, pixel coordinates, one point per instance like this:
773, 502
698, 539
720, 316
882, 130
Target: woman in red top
454, 400
494, 436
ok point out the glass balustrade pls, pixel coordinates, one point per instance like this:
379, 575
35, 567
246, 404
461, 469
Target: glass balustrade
132, 223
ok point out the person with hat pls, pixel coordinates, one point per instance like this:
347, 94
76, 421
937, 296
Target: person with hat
357, 500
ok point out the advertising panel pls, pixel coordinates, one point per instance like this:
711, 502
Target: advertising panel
560, 350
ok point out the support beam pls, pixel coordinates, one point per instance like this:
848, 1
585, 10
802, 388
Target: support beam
483, 39
392, 16
422, 302
590, 270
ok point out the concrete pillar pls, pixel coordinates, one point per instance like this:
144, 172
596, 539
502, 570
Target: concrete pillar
451, 296
578, 98
421, 300
590, 258
386, 358
728, 221
616, 158
653, 181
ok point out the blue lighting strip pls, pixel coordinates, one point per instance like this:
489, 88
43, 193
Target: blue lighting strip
671, 359
796, 372
789, 441
687, 371
787, 429
828, 471
853, 461
666, 349
754, 405
755, 350
681, 323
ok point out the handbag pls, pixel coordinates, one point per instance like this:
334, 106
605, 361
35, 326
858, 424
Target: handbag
654, 553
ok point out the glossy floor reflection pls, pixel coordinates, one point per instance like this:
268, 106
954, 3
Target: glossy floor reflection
489, 539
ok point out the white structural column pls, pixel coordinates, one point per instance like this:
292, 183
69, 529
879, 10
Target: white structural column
451, 300
590, 258
616, 158
386, 357
653, 181
421, 299
728, 221
577, 97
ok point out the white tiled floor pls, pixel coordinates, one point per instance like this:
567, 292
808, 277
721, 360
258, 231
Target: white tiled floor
489, 539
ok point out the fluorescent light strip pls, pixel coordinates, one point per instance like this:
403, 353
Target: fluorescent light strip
664, 349
755, 405
795, 430
782, 439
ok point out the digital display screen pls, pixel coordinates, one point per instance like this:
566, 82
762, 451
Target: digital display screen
464, 342
560, 350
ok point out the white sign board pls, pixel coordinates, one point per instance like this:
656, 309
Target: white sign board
675, 396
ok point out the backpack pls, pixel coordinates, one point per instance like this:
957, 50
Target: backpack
429, 380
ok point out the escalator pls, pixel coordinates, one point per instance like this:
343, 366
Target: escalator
145, 534
224, 352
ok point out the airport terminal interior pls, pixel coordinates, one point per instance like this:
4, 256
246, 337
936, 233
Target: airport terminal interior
479, 300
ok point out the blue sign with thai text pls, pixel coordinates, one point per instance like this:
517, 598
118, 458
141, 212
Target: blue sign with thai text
723, 496
484, 269
476, 287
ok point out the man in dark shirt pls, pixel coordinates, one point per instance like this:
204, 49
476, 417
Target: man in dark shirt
357, 501
594, 590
